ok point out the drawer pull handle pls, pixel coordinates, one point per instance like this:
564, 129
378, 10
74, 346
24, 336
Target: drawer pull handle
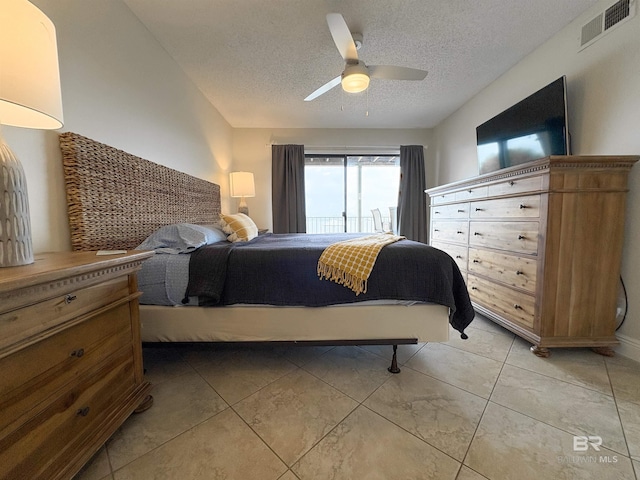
77, 353
474, 288
458, 256
478, 209
436, 230
521, 237
460, 211
517, 307
436, 212
475, 260
69, 298
522, 206
477, 234
460, 232
470, 191
512, 183
518, 272
83, 412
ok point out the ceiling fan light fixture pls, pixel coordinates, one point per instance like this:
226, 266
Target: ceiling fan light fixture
355, 78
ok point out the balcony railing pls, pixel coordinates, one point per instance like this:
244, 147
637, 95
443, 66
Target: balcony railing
336, 224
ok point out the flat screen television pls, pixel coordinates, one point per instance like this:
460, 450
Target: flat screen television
531, 129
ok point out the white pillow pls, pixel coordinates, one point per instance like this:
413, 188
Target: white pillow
239, 227
182, 238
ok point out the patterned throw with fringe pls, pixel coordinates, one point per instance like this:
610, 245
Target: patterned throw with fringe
350, 262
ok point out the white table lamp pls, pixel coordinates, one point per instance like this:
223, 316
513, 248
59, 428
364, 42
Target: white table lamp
29, 97
241, 185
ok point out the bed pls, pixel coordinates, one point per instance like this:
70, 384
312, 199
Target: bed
116, 200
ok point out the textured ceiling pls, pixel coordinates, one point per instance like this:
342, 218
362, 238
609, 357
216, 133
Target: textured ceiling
256, 60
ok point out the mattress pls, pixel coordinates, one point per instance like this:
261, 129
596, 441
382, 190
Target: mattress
281, 270
259, 323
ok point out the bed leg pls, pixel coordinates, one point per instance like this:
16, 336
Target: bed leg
394, 361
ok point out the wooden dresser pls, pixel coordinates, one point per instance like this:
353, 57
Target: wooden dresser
540, 246
70, 360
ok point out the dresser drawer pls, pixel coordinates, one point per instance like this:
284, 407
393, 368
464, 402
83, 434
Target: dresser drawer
517, 185
456, 210
513, 207
39, 317
444, 198
49, 435
511, 304
471, 193
510, 269
457, 252
450, 231
517, 237
32, 375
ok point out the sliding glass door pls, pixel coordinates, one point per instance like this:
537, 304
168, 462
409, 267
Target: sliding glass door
342, 190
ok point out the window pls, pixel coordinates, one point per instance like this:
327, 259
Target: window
341, 191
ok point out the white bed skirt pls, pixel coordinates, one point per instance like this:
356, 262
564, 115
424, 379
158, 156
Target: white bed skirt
424, 322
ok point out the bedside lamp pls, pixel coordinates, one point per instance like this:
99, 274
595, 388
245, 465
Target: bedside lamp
29, 97
241, 185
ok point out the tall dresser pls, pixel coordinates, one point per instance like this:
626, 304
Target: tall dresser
540, 246
70, 360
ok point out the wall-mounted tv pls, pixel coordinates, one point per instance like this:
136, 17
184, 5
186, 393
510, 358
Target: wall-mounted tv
531, 129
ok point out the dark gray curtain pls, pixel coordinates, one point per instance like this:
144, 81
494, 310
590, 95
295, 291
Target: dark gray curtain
287, 191
412, 201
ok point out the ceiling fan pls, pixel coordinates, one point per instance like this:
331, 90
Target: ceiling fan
356, 74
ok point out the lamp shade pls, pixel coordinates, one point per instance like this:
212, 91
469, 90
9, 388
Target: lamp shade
29, 74
29, 97
241, 184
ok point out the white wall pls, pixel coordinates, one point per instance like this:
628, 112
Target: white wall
119, 87
252, 152
604, 117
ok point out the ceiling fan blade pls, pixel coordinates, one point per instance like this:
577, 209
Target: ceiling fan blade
389, 72
342, 36
325, 88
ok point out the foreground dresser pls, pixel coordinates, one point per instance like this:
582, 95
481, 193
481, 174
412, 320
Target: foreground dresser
540, 246
70, 360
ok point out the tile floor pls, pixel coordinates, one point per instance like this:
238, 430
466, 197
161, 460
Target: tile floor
484, 408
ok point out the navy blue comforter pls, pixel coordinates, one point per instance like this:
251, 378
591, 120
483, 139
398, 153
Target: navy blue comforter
280, 269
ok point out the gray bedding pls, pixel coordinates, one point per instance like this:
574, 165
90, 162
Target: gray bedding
163, 280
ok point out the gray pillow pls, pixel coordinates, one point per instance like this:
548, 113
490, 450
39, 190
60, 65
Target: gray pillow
182, 238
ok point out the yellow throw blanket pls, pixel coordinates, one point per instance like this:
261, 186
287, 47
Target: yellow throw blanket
350, 262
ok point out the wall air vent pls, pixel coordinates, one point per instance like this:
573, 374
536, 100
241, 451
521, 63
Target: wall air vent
616, 13
591, 30
602, 23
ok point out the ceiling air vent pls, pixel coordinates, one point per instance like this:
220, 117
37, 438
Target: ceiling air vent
603, 22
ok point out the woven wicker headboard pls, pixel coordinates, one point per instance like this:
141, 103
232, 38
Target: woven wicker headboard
115, 199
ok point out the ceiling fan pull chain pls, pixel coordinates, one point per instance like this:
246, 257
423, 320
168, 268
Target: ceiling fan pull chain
367, 112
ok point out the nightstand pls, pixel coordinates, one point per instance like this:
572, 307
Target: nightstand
70, 359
